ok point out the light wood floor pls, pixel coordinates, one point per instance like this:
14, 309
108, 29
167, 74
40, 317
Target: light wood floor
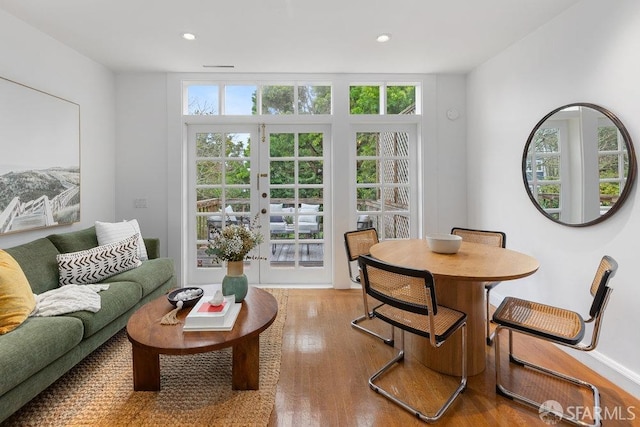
326, 364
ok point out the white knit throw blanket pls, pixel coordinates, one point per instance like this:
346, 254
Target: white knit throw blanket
67, 299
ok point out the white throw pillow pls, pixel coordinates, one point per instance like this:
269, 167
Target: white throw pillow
305, 209
275, 207
307, 218
96, 264
111, 232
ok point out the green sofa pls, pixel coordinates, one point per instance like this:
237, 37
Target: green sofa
42, 349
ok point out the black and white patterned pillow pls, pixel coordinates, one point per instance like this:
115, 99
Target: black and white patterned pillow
96, 264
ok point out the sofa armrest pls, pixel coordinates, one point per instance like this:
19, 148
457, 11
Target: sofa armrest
153, 247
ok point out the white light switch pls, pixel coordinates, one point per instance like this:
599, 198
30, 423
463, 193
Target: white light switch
140, 203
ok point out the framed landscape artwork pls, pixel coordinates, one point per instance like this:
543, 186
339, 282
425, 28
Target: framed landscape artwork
40, 161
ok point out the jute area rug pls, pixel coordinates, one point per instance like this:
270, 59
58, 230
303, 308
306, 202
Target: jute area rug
196, 389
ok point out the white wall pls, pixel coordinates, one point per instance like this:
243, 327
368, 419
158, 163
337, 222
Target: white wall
141, 153
447, 176
586, 54
34, 59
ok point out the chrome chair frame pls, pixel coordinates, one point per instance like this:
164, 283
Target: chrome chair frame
600, 292
354, 276
404, 308
470, 235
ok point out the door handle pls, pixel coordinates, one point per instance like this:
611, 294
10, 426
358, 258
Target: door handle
258, 176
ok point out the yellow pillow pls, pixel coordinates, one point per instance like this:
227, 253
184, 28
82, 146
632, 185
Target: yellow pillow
16, 298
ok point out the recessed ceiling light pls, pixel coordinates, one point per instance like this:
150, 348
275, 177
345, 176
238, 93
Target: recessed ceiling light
188, 36
382, 38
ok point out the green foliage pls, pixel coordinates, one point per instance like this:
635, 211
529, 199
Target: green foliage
549, 196
314, 99
280, 100
400, 98
364, 99
285, 164
277, 100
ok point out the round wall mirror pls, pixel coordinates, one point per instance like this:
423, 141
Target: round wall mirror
579, 165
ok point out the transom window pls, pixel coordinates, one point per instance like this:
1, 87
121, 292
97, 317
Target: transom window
254, 99
384, 98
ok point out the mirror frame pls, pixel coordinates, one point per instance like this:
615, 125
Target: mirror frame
631, 173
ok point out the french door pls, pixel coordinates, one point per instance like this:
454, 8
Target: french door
273, 177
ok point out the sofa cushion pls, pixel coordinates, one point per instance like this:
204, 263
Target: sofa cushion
114, 302
95, 264
307, 209
38, 262
150, 275
111, 232
34, 345
75, 240
16, 298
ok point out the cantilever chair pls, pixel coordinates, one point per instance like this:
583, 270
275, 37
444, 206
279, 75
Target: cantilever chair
559, 326
491, 238
356, 243
409, 303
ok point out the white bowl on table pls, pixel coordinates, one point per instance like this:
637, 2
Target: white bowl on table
444, 243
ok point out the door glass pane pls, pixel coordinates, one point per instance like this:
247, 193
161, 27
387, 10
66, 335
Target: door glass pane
367, 171
383, 183
367, 144
209, 144
310, 172
282, 172
396, 226
223, 186
208, 172
310, 145
281, 145
297, 185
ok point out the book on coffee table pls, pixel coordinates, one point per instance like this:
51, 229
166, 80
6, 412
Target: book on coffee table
206, 317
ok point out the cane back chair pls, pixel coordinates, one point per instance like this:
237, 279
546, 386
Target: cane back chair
410, 304
491, 238
356, 243
559, 326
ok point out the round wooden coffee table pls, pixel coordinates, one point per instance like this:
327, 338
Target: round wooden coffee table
150, 339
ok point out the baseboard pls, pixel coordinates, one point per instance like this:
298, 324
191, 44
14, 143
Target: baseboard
603, 365
610, 369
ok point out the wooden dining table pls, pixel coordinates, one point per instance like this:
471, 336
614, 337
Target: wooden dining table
459, 281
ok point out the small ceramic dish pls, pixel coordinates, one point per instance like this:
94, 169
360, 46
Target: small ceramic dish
188, 296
